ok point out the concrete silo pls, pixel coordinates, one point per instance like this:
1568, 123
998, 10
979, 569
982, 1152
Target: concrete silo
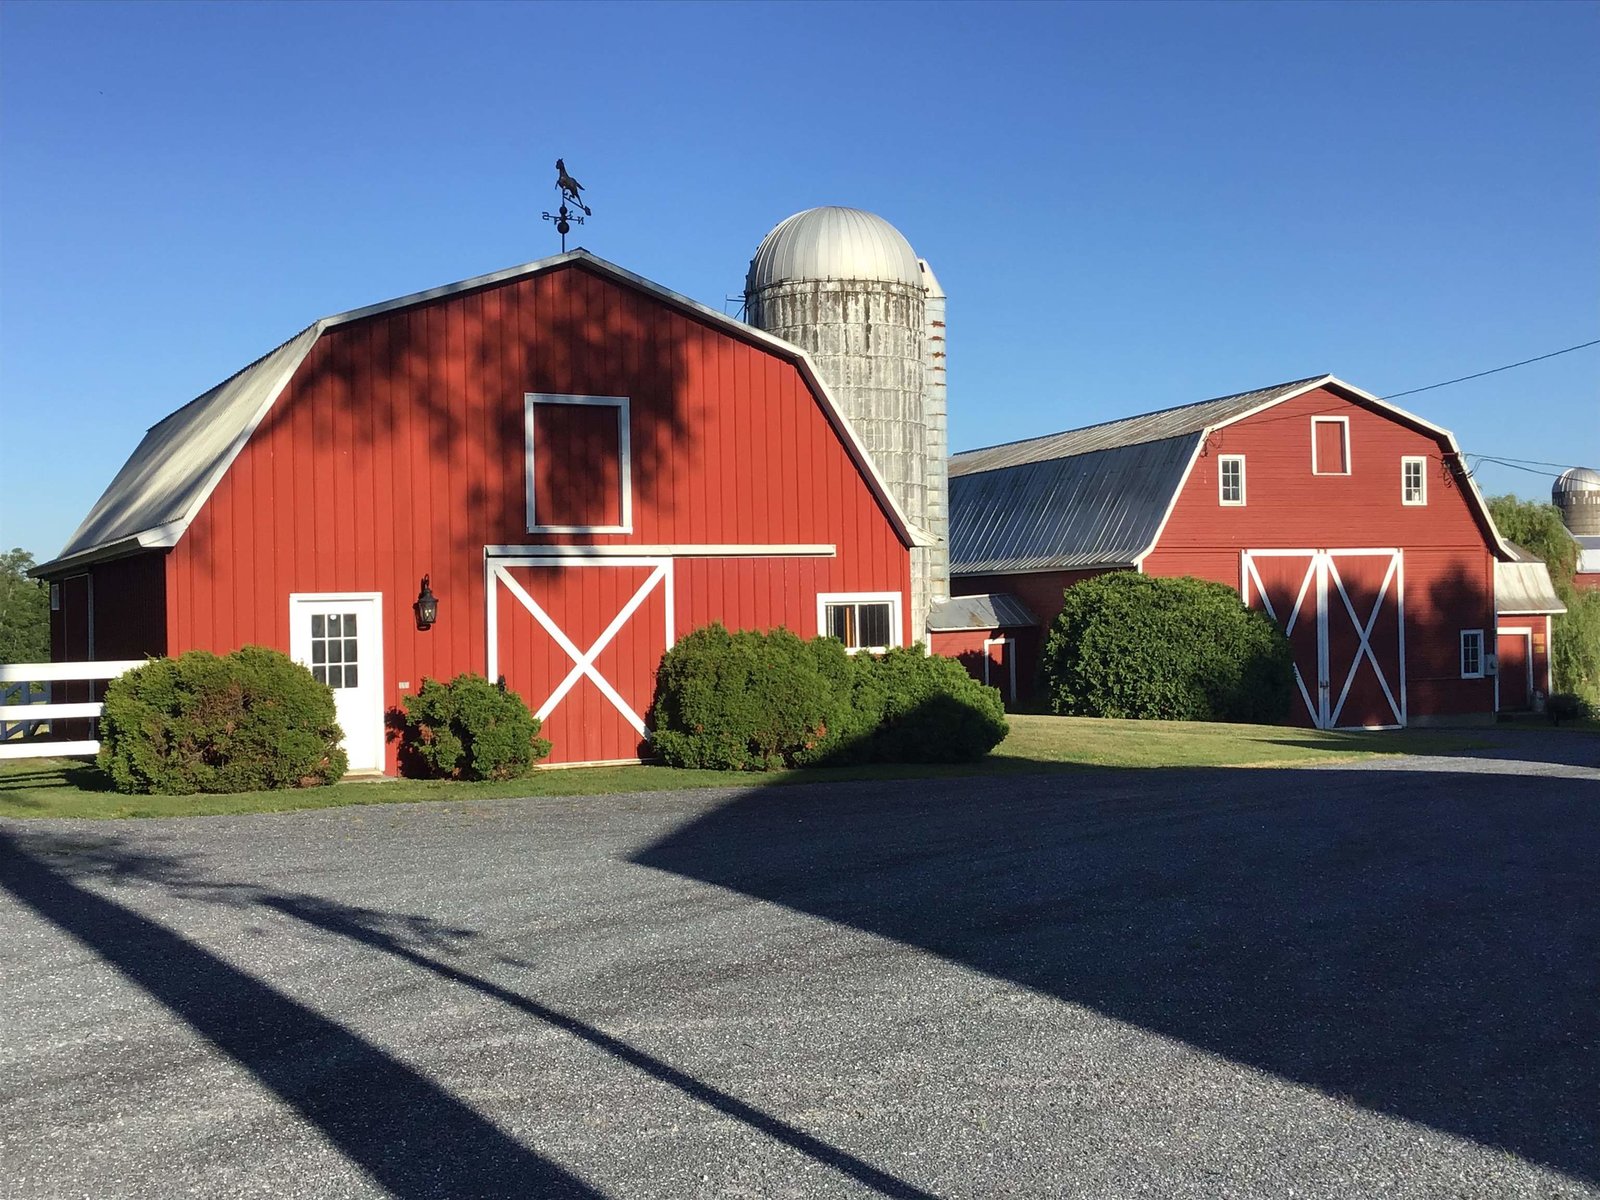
846, 286
1577, 495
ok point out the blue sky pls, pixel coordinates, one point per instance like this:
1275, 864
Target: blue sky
1130, 206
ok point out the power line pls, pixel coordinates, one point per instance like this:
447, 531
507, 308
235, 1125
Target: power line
1491, 371
1501, 462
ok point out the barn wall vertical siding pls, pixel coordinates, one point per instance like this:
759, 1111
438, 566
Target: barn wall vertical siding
397, 451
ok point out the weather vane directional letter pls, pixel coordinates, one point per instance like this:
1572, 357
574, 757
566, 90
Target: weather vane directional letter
564, 217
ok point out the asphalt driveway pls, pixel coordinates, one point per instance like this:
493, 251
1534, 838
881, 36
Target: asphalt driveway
1382, 980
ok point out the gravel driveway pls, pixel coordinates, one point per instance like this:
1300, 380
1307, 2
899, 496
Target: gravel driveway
1370, 981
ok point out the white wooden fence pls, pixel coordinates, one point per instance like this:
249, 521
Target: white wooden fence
21, 722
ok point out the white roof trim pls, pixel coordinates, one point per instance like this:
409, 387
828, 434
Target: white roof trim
167, 535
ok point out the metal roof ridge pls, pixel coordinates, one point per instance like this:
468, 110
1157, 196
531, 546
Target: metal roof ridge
1154, 412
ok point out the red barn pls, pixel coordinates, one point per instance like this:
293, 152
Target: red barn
582, 463
1347, 519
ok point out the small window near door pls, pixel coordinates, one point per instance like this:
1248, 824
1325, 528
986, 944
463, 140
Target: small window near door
333, 649
1413, 480
1472, 654
1330, 445
867, 621
1230, 479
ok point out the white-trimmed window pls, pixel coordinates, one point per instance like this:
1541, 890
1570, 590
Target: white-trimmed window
1413, 479
1330, 445
579, 464
861, 620
1230, 479
1472, 654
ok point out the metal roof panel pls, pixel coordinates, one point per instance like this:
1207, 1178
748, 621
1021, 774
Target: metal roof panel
1101, 508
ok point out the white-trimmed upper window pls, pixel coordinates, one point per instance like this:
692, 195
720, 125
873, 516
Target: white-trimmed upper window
1330, 445
861, 620
1472, 654
579, 474
1230, 479
1413, 479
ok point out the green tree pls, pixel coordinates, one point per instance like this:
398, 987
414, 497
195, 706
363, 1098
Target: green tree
1537, 528
24, 611
1575, 634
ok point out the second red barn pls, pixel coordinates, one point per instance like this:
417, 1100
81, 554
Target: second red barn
1345, 518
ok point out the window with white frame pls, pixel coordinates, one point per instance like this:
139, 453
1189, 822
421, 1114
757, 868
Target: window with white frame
1413, 480
861, 620
578, 465
1230, 479
1472, 654
1330, 445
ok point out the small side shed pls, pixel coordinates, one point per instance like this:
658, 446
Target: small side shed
581, 463
1525, 602
989, 635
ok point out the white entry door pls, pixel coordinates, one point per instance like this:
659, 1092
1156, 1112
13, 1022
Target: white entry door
340, 637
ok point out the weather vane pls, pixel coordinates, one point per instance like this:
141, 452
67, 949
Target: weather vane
564, 217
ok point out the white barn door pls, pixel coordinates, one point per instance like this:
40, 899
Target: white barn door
339, 636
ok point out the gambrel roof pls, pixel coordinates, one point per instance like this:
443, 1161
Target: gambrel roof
161, 488
1099, 496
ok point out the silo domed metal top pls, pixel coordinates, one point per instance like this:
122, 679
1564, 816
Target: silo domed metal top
1575, 479
833, 243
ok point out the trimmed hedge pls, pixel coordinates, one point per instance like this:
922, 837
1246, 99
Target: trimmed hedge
1131, 645
254, 720
759, 701
468, 728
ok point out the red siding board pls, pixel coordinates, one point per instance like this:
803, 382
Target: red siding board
397, 451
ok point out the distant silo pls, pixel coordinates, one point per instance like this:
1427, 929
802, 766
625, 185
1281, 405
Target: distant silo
846, 286
1577, 495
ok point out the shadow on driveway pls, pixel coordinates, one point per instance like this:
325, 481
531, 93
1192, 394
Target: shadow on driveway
1424, 945
404, 1130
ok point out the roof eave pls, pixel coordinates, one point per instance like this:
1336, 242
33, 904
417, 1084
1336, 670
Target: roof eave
162, 537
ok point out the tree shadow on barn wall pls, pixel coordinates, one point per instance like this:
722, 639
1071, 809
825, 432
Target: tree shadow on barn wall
435, 391
1421, 945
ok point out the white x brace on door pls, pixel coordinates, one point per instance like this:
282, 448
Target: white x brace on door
562, 604
1348, 638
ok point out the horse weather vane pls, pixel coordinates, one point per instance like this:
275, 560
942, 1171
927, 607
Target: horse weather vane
564, 217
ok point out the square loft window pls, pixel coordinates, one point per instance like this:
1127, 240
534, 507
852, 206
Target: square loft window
1413, 480
578, 468
1230, 479
1330, 445
861, 620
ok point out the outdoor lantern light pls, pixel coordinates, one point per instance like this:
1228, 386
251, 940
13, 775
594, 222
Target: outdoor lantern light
426, 607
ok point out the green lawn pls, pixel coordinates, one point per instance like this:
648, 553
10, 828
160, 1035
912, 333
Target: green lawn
68, 788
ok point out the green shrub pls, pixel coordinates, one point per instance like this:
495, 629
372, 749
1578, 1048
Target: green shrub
754, 701
468, 728
934, 711
1567, 706
1131, 645
254, 720
740, 701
